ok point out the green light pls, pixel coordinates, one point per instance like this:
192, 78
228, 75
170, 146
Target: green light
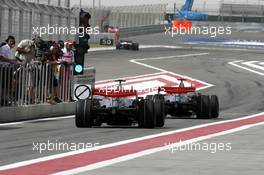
78, 68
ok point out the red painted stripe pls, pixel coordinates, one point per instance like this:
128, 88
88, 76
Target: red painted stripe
88, 158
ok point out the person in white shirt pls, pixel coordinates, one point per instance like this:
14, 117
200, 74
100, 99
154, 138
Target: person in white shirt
68, 54
7, 55
67, 59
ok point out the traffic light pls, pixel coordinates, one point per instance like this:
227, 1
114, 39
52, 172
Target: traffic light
82, 47
78, 68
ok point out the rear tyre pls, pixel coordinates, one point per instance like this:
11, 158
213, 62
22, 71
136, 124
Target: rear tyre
214, 106
149, 97
83, 115
135, 46
149, 117
118, 46
79, 113
203, 107
127, 47
159, 109
97, 123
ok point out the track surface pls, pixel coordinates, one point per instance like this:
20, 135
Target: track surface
241, 93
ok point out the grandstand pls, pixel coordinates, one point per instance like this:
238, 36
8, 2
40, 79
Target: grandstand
58, 3
18, 17
242, 12
245, 10
229, 10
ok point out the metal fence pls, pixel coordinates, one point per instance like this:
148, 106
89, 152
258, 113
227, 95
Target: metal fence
36, 83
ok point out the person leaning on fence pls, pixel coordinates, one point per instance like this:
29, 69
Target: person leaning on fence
25, 51
25, 54
55, 55
67, 60
68, 54
7, 58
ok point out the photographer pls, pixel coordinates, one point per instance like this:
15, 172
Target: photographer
25, 54
25, 51
48, 54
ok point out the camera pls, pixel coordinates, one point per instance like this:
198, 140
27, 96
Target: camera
43, 49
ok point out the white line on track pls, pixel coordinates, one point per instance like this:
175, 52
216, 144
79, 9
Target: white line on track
235, 63
141, 47
253, 64
136, 61
148, 66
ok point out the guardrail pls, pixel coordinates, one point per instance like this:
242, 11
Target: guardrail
96, 38
236, 26
36, 83
130, 31
142, 30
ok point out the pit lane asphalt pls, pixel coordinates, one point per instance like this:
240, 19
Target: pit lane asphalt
240, 92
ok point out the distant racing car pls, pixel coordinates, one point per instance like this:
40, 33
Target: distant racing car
128, 45
120, 107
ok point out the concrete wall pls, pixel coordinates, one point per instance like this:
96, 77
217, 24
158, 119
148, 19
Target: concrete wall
18, 113
236, 26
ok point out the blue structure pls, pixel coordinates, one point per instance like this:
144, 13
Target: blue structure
186, 13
